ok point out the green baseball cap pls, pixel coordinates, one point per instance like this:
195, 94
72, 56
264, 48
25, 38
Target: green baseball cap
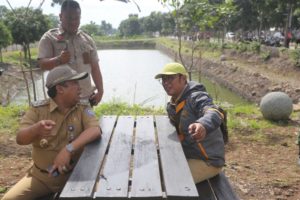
61, 74
172, 68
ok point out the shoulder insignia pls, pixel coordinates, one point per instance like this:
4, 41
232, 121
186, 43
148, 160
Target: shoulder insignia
40, 103
89, 112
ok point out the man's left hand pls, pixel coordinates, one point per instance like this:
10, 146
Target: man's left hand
62, 162
96, 98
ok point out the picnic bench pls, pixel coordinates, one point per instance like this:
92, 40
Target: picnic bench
137, 157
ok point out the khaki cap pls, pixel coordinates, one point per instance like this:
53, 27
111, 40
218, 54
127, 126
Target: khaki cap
61, 74
171, 69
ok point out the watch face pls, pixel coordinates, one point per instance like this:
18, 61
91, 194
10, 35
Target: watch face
70, 148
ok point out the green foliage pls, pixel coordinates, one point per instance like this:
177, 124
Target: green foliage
122, 108
266, 55
10, 116
127, 43
295, 55
255, 47
244, 109
2, 189
130, 26
53, 20
94, 29
247, 121
242, 47
26, 24
5, 36
13, 57
152, 23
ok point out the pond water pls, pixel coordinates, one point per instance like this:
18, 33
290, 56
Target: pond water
128, 76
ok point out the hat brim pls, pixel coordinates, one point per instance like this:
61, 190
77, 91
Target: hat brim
165, 73
80, 76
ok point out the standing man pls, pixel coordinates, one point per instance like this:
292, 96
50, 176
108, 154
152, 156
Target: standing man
58, 129
197, 121
68, 45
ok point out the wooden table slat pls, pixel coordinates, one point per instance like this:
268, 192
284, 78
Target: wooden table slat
145, 176
82, 180
174, 166
114, 178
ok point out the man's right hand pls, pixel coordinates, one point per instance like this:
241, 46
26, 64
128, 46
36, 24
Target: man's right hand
64, 57
45, 127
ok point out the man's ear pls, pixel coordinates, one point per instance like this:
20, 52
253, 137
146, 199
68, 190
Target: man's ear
60, 16
59, 89
184, 78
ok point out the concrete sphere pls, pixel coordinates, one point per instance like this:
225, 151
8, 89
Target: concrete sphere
276, 106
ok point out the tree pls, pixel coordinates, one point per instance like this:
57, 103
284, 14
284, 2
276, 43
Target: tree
168, 24
192, 16
152, 23
107, 28
5, 38
3, 11
130, 26
92, 29
27, 25
53, 20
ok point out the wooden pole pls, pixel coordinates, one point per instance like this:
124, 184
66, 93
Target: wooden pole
25, 79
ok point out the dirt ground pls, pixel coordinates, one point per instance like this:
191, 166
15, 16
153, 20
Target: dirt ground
264, 170
257, 170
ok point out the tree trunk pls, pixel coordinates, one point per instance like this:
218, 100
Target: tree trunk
31, 73
1, 58
25, 51
288, 26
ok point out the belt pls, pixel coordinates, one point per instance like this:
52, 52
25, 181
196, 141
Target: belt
55, 173
41, 170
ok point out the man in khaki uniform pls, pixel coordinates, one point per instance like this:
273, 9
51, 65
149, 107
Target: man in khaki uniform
58, 129
68, 45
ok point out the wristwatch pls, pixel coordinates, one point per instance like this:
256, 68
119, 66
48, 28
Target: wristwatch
70, 147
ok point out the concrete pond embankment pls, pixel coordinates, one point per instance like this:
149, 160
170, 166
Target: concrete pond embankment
248, 83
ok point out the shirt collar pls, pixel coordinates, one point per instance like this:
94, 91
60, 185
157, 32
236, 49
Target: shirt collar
54, 106
61, 31
176, 101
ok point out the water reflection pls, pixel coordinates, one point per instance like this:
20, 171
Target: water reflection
128, 76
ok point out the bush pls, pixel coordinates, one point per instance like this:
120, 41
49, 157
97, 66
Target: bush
295, 55
266, 55
255, 47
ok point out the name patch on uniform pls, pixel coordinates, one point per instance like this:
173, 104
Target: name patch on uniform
89, 112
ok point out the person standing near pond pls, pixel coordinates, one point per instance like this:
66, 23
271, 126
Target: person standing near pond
69, 45
58, 129
197, 121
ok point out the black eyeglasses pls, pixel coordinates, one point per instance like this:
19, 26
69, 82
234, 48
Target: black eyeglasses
167, 78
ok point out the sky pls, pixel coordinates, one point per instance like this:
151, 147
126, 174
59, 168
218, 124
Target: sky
111, 11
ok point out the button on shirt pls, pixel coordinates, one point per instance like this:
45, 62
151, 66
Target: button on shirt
81, 47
